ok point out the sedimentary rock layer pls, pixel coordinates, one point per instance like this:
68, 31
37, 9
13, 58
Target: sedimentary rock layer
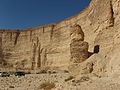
49, 45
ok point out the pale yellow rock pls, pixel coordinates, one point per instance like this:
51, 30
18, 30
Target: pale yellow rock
61, 45
49, 45
77, 33
79, 51
78, 48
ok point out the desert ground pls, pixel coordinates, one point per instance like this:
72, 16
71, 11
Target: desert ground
62, 80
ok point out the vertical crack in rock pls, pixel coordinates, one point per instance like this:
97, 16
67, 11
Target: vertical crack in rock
39, 56
91, 70
34, 54
45, 57
1, 54
30, 35
37, 41
11, 36
112, 15
37, 51
16, 38
2, 61
51, 34
43, 29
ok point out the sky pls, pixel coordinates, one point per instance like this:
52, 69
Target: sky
21, 14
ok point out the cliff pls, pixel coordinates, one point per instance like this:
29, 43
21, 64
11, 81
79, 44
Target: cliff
49, 45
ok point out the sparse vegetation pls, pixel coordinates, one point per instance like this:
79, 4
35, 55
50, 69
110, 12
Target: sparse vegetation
84, 78
11, 86
47, 85
69, 78
66, 71
52, 72
42, 72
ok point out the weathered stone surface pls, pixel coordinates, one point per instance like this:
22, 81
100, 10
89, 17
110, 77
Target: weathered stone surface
79, 51
78, 48
32, 49
65, 45
76, 33
50, 45
81, 68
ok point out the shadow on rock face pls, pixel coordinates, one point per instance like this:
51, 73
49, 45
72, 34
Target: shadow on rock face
96, 50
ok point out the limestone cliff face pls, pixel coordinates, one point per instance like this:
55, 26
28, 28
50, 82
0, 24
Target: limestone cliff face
49, 45
32, 49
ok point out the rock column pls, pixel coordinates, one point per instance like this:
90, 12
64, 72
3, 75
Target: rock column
78, 47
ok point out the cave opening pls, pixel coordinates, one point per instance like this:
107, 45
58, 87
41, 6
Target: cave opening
96, 49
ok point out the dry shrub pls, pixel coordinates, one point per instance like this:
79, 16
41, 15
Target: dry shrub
47, 85
42, 72
69, 78
52, 72
66, 71
84, 78
11, 86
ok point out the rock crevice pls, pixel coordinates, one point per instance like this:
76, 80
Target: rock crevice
16, 38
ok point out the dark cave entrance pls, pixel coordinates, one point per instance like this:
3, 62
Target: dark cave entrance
96, 49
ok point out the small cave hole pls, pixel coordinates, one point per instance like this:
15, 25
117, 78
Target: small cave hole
96, 49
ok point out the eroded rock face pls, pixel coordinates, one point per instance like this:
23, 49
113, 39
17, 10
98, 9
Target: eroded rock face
82, 68
56, 45
34, 48
79, 51
76, 33
78, 47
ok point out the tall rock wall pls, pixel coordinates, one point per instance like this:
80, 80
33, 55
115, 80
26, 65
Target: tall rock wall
32, 49
49, 45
